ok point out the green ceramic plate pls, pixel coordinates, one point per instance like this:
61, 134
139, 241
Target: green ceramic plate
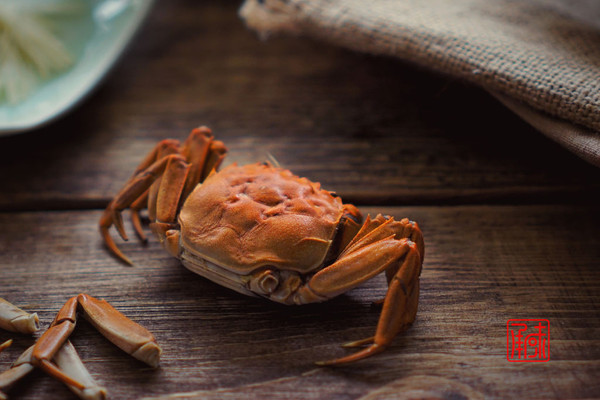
96, 40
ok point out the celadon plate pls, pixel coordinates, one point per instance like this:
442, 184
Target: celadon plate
96, 40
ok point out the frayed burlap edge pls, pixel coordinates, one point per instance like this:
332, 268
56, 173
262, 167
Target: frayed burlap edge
572, 123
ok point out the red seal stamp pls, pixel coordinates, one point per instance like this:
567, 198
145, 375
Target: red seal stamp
528, 340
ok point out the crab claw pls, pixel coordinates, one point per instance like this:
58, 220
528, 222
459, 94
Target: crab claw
13, 319
5, 345
67, 360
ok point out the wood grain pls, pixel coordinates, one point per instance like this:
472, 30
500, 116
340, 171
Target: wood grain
484, 265
510, 221
373, 129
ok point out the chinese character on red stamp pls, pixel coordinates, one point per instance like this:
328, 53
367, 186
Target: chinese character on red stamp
528, 340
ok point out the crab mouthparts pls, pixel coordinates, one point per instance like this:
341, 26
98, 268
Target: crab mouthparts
216, 273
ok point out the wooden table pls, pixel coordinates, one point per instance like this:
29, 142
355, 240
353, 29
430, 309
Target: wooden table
510, 219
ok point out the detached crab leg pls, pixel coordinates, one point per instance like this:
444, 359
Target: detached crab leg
17, 371
54, 353
13, 319
126, 334
68, 361
123, 332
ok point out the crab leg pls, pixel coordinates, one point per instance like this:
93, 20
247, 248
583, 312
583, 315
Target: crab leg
123, 332
200, 168
196, 149
68, 361
199, 155
13, 319
216, 155
152, 192
381, 227
382, 244
136, 221
53, 339
120, 330
350, 225
179, 179
133, 190
161, 150
21, 367
169, 195
400, 305
136, 188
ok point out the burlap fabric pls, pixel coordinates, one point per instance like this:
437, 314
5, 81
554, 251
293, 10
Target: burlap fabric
541, 58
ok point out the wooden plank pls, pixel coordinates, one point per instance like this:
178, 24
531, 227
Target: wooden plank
373, 129
484, 265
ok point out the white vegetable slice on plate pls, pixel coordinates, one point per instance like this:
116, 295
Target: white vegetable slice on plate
81, 41
30, 50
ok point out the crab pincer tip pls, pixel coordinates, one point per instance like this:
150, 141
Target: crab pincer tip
367, 352
118, 222
149, 353
330, 363
358, 343
110, 243
123, 257
5, 345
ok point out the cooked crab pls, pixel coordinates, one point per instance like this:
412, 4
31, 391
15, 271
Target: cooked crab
54, 354
262, 231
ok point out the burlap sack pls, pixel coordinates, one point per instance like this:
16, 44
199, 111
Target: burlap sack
541, 58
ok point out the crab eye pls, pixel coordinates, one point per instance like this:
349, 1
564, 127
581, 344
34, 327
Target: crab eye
265, 282
268, 282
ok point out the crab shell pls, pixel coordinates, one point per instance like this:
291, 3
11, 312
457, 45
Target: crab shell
247, 218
